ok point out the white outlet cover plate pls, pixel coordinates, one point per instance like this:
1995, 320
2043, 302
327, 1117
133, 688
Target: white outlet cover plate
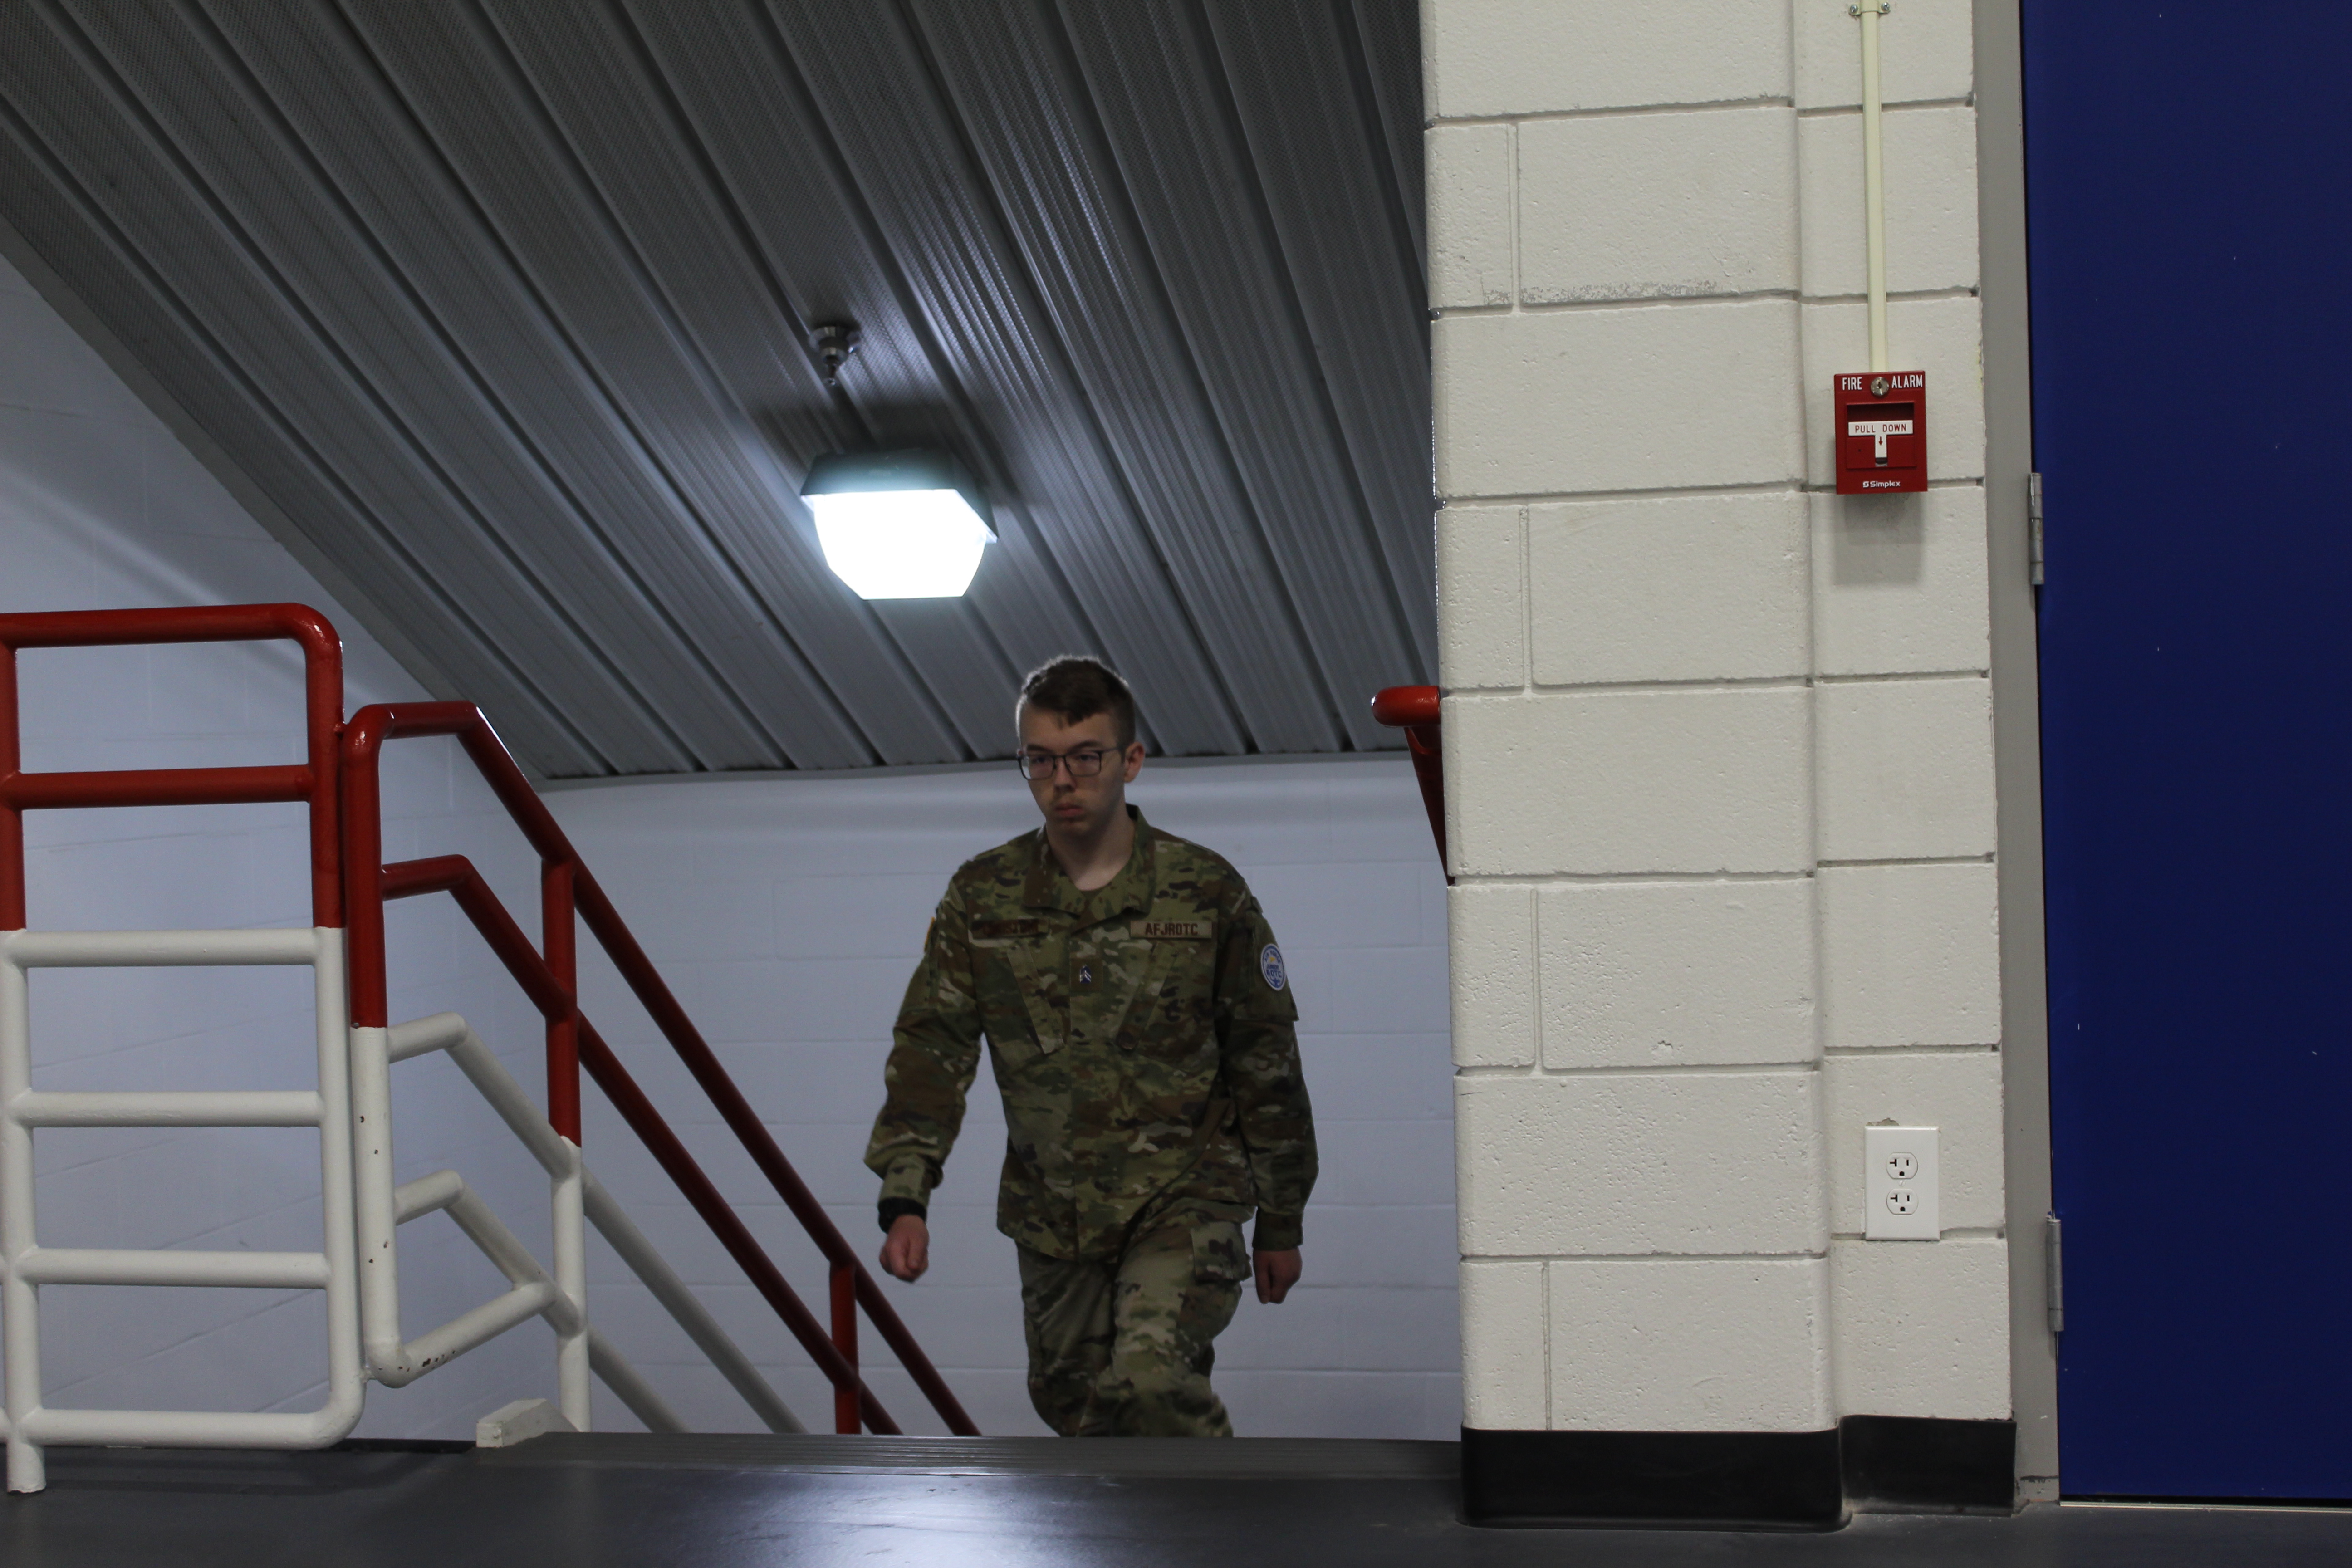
1902, 1185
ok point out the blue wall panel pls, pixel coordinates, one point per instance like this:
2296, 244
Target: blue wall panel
2191, 252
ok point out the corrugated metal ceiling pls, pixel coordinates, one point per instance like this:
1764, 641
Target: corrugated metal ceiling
505, 305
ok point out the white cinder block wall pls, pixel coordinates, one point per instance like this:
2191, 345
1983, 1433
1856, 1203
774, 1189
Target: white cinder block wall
1719, 744
101, 508
788, 915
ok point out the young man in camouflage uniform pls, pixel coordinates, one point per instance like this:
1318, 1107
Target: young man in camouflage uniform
1139, 1022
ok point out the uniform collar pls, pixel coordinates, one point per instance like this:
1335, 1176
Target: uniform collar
1049, 887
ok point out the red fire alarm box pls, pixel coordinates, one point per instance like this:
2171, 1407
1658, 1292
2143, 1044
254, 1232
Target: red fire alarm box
1881, 431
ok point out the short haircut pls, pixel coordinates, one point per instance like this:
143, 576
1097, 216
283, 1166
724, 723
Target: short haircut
1077, 687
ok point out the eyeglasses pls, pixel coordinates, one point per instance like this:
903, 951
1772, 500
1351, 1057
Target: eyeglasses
1084, 764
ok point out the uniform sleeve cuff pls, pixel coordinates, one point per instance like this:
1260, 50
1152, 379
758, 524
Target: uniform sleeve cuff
893, 1207
910, 1177
1277, 1231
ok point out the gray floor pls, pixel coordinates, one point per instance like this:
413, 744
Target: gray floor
716, 1502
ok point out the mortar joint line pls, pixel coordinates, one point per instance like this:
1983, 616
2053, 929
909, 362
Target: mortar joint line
1896, 296
1598, 878
1520, 305
1805, 1257
1613, 112
1657, 1069
1862, 1053
1839, 111
1793, 485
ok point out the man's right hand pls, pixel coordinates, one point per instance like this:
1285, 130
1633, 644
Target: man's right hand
906, 1250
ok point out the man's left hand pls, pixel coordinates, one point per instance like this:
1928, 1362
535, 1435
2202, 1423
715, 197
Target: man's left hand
1276, 1273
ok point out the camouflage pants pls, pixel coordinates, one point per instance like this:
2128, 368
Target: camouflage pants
1122, 1348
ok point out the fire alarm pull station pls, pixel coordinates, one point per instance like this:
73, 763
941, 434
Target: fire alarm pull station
1882, 432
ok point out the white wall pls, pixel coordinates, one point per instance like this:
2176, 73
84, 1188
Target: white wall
101, 508
788, 915
1718, 742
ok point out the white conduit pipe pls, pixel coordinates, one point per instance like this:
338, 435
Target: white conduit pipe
1873, 179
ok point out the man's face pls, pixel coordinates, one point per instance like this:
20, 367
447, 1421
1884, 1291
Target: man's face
1070, 801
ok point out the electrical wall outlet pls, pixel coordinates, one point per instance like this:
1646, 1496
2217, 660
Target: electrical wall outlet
1901, 1185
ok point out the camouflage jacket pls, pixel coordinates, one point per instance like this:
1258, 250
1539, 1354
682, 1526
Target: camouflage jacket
1140, 1035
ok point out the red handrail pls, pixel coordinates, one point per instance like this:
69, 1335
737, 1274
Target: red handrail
548, 977
1414, 709
312, 782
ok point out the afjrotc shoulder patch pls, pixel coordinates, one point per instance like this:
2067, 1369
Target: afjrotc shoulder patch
1269, 963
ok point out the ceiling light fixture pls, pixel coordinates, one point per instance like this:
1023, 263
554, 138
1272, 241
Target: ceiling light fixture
899, 525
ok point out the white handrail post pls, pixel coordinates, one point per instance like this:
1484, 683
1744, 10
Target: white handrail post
19, 1296
379, 1266
573, 1394
346, 1374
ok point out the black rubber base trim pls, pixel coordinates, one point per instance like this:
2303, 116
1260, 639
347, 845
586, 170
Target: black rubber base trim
1907, 1464
1739, 1481
1703, 1480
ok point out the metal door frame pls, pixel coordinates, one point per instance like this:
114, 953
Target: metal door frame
2017, 735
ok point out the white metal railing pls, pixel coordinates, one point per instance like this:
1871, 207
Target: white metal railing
579, 1201
357, 1266
26, 1264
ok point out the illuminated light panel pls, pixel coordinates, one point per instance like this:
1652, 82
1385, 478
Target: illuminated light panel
899, 525
901, 544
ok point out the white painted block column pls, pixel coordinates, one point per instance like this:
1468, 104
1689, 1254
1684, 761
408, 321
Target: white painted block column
1718, 758
1625, 597
1909, 938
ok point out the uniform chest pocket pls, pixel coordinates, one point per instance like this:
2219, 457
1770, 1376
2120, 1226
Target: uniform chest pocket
1022, 1009
1173, 1014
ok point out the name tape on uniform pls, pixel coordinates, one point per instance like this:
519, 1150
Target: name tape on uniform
1183, 931
987, 930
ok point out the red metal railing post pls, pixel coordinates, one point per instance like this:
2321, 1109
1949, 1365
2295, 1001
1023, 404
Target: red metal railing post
12, 820
560, 941
363, 889
322, 661
1414, 709
845, 1340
